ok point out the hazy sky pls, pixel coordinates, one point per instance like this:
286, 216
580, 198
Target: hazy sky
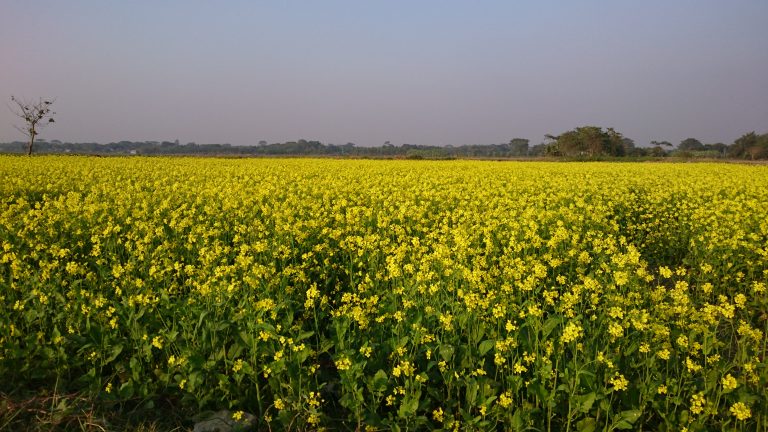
418, 71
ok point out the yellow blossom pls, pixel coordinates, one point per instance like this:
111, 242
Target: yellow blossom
729, 382
437, 414
741, 411
157, 342
619, 382
279, 404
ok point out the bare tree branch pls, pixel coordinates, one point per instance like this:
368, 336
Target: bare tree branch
36, 115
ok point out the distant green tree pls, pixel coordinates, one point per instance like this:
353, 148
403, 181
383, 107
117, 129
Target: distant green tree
589, 141
518, 146
630, 149
739, 147
759, 149
690, 144
538, 150
719, 148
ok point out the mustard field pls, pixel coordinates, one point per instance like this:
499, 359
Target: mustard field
392, 295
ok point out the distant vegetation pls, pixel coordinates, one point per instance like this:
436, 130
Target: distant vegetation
588, 142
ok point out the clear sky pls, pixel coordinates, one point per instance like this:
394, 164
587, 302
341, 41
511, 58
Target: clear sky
432, 72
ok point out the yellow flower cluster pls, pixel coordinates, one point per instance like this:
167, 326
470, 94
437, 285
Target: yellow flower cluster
741, 411
697, 403
619, 382
343, 363
729, 382
571, 332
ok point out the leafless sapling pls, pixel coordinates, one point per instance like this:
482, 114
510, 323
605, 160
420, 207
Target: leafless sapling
36, 115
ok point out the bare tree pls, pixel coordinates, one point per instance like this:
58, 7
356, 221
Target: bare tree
36, 115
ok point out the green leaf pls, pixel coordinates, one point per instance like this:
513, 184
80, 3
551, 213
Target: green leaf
116, 350
586, 379
550, 325
517, 420
304, 335
126, 390
605, 405
171, 335
486, 346
585, 402
379, 381
684, 416
248, 339
352, 398
627, 418
446, 351
539, 391
746, 397
135, 365
303, 355
586, 425
195, 380
472, 388
630, 415
477, 336
200, 321
630, 349
325, 346
410, 405
221, 354
712, 380
403, 341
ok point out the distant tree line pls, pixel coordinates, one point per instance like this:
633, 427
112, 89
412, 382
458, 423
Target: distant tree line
587, 142
592, 141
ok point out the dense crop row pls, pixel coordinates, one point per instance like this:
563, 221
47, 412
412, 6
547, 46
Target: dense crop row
393, 295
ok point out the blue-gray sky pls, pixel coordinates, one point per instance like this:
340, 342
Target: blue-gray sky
420, 71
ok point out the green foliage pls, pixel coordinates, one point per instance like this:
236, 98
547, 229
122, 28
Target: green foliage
589, 141
750, 146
